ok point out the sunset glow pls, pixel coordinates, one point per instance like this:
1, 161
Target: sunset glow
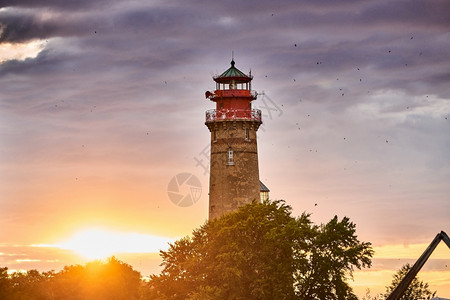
411, 251
100, 244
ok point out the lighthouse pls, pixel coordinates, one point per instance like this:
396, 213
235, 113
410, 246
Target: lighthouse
234, 174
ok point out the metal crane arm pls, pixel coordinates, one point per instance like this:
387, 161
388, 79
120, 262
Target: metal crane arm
398, 292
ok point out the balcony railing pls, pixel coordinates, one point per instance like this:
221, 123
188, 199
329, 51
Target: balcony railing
233, 114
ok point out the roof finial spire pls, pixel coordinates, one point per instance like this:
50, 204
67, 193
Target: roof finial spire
232, 58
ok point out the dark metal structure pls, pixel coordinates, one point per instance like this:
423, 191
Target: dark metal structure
398, 292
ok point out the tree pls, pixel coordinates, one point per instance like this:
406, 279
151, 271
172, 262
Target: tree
22, 285
4, 283
113, 280
417, 290
262, 252
27, 285
334, 252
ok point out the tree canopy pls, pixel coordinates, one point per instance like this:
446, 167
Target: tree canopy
262, 252
417, 290
113, 280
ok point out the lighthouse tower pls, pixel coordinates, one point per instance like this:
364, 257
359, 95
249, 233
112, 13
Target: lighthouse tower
234, 175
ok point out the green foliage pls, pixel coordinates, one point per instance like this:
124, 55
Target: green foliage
112, 280
4, 283
97, 280
334, 251
417, 290
262, 252
27, 286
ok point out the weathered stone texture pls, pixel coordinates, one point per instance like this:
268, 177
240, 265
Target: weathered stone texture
233, 184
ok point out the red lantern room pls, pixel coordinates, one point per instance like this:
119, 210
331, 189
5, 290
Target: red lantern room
233, 97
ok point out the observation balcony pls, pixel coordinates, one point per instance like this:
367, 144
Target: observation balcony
233, 114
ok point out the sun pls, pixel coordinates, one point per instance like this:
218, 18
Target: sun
100, 243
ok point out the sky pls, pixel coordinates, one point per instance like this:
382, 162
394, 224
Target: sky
102, 104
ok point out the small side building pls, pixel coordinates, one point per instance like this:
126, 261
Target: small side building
263, 191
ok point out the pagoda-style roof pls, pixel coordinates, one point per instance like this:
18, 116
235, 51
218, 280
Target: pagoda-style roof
233, 73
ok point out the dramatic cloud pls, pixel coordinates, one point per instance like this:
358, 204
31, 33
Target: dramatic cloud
55, 4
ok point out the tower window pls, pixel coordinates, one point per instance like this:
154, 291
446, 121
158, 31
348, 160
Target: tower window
214, 136
230, 160
247, 136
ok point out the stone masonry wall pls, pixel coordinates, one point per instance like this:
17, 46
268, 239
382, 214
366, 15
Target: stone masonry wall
233, 185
